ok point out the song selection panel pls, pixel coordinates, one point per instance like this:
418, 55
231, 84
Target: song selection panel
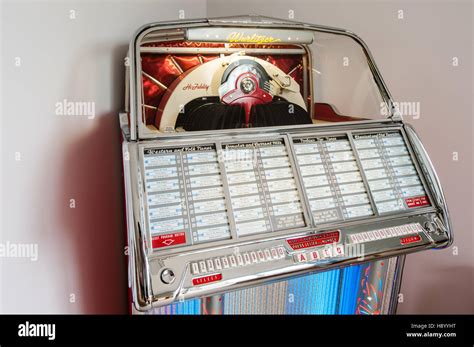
392, 177
332, 179
262, 187
185, 196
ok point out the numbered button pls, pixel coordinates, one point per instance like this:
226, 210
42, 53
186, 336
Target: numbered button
210, 265
247, 259
218, 264
202, 266
253, 256
194, 268
383, 233
274, 253
281, 252
225, 262
240, 260
377, 234
233, 261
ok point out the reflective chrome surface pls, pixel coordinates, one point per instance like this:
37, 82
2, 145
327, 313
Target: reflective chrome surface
147, 267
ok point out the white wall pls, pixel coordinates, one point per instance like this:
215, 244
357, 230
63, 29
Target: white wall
80, 251
72, 157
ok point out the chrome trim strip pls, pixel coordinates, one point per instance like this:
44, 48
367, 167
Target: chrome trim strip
273, 275
362, 173
218, 50
440, 199
397, 284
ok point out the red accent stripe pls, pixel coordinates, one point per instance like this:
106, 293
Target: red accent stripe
207, 279
314, 240
326, 112
417, 201
410, 239
168, 240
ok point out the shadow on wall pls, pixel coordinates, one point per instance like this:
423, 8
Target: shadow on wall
92, 175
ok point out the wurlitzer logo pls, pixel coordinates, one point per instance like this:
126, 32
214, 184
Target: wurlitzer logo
196, 86
254, 38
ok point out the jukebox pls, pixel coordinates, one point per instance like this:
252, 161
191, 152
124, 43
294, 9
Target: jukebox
267, 171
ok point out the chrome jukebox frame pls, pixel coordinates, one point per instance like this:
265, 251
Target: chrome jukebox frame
135, 137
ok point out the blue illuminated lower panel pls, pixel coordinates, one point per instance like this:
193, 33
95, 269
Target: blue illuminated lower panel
185, 307
331, 292
314, 294
350, 282
356, 289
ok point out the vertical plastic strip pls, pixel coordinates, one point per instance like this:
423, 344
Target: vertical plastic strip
350, 279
